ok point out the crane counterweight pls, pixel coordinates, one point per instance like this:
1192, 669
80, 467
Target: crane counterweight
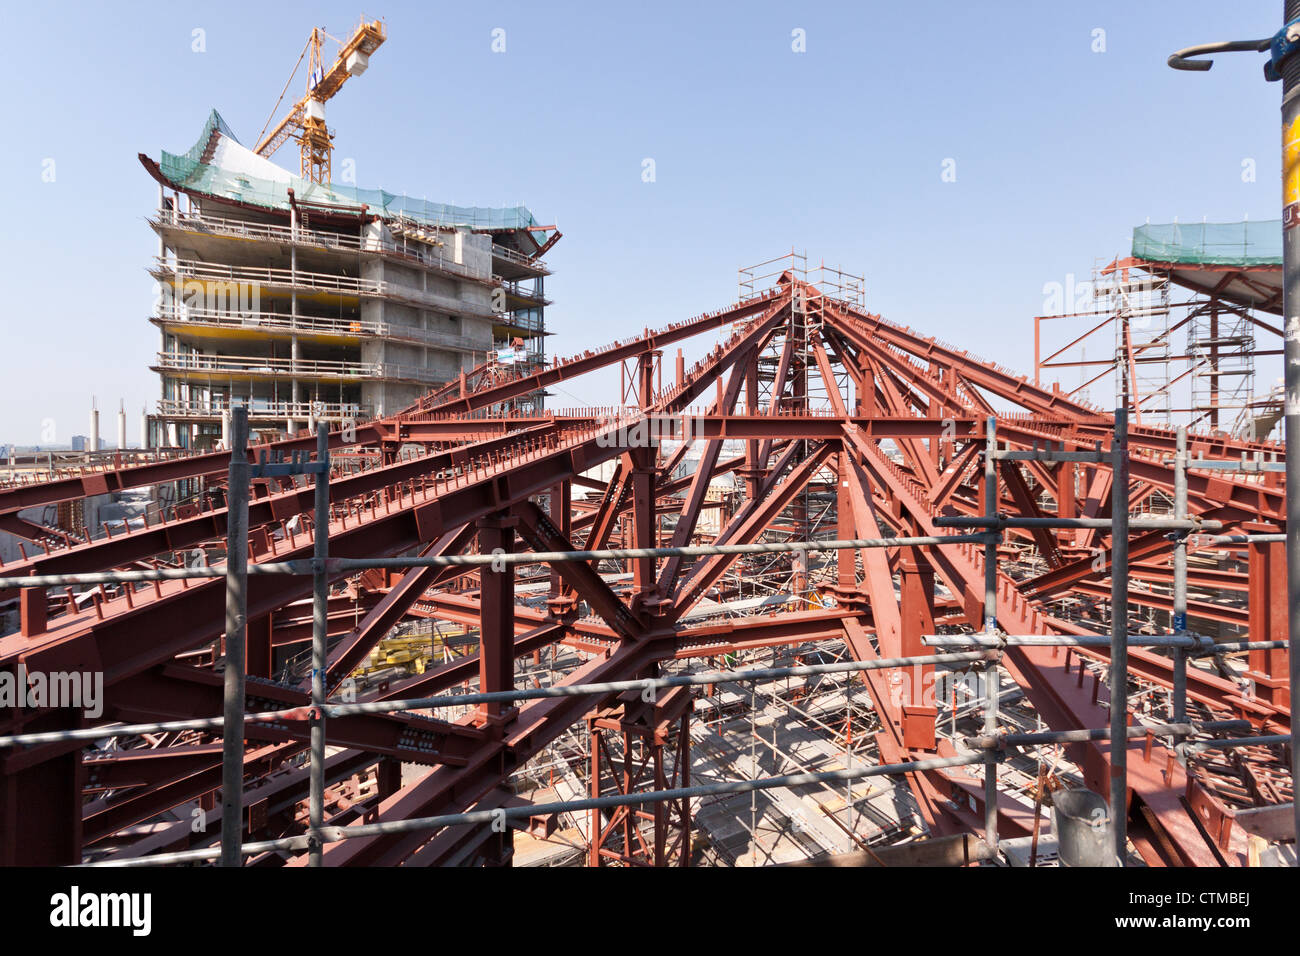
305, 120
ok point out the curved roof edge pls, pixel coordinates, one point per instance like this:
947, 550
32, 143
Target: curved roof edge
218, 165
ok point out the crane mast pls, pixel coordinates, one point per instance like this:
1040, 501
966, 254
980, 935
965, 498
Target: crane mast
305, 120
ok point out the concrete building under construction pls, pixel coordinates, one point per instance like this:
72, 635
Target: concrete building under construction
307, 302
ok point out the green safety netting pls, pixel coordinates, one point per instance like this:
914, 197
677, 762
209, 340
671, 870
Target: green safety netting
1211, 243
195, 170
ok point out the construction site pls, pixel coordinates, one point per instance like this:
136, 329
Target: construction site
812, 588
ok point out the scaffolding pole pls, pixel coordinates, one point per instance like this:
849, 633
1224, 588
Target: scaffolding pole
232, 744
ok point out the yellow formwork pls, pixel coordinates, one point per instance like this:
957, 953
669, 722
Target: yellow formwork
413, 653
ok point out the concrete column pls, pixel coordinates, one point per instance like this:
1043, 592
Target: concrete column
294, 350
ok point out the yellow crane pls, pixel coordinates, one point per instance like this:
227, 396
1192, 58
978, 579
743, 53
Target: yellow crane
305, 122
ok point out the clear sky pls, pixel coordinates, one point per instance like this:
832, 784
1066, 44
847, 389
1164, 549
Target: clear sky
1059, 151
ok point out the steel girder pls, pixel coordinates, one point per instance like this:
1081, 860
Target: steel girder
480, 468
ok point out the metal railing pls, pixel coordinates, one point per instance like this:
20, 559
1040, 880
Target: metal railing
265, 275
226, 276
270, 232
987, 646
518, 258
514, 288
295, 368
522, 319
266, 365
308, 324
306, 236
277, 321
323, 411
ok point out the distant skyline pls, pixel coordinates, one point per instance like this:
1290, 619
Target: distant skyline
963, 157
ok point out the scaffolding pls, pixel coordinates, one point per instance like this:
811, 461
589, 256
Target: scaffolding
1221, 343
1185, 329
868, 608
1138, 305
645, 731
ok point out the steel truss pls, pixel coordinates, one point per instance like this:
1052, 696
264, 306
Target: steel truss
899, 431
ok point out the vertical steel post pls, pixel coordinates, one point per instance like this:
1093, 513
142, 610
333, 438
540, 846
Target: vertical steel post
753, 770
848, 759
1288, 67
319, 634
295, 349
232, 734
1291, 360
496, 536
1180, 579
992, 678
1119, 635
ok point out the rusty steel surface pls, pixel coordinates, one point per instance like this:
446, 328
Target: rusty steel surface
823, 398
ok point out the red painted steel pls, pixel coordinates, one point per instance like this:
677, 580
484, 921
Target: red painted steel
896, 450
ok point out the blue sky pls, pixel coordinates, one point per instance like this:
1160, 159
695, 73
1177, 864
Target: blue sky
1059, 151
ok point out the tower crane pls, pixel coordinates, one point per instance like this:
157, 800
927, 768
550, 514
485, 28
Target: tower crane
305, 121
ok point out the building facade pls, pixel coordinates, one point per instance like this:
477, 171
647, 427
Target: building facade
311, 302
